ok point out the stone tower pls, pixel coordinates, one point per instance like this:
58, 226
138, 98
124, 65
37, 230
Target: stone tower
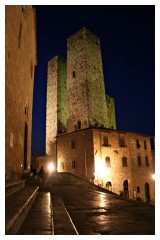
55, 104
87, 105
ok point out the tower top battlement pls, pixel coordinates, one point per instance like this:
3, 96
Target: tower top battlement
83, 34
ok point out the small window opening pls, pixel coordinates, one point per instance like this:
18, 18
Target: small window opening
79, 124
147, 161
73, 144
124, 162
138, 189
137, 143
139, 161
122, 141
107, 162
19, 36
74, 164
105, 140
62, 165
74, 74
145, 145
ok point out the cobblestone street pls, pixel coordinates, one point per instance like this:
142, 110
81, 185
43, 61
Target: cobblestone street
96, 213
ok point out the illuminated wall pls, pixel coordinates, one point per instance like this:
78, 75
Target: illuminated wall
56, 104
75, 153
20, 60
91, 147
85, 83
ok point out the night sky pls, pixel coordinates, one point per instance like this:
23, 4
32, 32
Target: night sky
127, 36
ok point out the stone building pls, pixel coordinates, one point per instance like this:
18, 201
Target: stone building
56, 106
20, 60
85, 81
72, 90
84, 136
120, 161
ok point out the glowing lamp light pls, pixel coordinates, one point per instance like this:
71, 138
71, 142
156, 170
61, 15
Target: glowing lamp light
106, 171
98, 169
153, 176
50, 167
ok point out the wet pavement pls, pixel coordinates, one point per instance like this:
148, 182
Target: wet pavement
97, 213
39, 220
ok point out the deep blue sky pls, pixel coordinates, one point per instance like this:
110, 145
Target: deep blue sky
127, 35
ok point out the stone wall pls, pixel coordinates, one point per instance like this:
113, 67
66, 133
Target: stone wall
75, 154
55, 104
62, 95
20, 60
136, 175
90, 151
85, 82
64, 178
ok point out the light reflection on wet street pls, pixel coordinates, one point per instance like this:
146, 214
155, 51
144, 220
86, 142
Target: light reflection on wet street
94, 212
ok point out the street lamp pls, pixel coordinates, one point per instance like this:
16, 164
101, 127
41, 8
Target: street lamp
50, 167
153, 176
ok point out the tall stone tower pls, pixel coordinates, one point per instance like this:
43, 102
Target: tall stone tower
85, 82
56, 103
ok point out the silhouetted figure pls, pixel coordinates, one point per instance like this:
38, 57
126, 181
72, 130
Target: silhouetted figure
41, 173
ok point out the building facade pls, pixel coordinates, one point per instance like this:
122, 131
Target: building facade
120, 161
20, 60
88, 145
72, 90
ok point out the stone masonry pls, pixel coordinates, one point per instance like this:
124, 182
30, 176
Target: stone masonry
111, 112
75, 90
56, 103
20, 60
81, 125
84, 154
85, 82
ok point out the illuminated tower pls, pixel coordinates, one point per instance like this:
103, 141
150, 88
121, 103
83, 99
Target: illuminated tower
86, 97
55, 104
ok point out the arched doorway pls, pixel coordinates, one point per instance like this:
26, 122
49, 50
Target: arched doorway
147, 192
125, 187
109, 186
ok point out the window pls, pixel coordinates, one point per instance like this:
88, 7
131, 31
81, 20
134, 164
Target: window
139, 161
147, 161
19, 36
137, 143
73, 144
138, 189
73, 74
62, 165
74, 164
26, 109
122, 141
107, 162
124, 162
105, 141
79, 124
145, 145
